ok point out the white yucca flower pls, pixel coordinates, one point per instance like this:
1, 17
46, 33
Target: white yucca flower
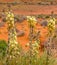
31, 18
15, 42
52, 21
51, 25
11, 42
18, 52
9, 16
12, 19
10, 56
15, 49
13, 45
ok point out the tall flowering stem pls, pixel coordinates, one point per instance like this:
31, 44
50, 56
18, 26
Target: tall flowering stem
13, 49
51, 26
51, 30
32, 22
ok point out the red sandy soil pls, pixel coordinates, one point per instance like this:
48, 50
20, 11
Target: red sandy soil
24, 39
6, 0
32, 9
27, 0
35, 10
27, 10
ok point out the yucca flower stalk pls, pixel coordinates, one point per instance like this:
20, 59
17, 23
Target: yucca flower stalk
32, 47
13, 47
31, 21
51, 26
51, 30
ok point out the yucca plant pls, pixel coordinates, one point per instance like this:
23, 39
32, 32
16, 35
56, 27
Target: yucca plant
16, 56
51, 30
51, 26
31, 21
13, 51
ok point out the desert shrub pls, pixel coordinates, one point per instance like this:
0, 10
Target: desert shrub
3, 47
19, 18
44, 23
47, 16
